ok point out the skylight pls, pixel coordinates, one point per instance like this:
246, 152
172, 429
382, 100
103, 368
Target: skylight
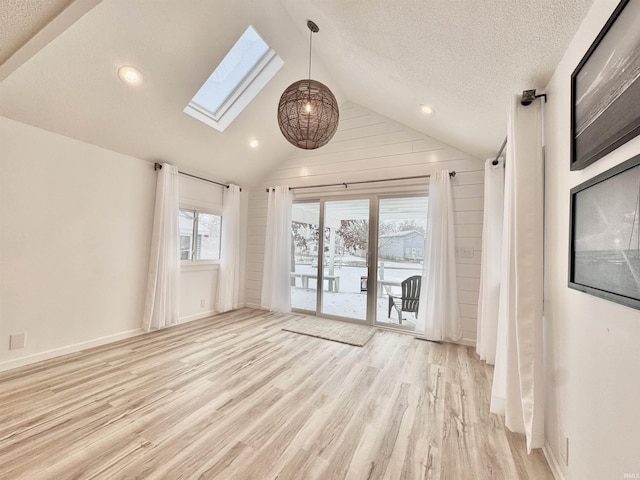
242, 73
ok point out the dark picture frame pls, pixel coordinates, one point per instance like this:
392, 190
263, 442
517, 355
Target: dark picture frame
604, 241
605, 98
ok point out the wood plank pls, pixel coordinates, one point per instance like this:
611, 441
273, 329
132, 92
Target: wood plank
256, 240
254, 285
475, 242
256, 230
468, 204
469, 270
474, 231
469, 284
475, 260
468, 218
469, 311
255, 258
399, 155
386, 138
468, 298
234, 396
472, 175
257, 247
467, 191
370, 131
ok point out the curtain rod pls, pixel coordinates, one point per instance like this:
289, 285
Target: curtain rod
158, 166
528, 96
346, 184
504, 144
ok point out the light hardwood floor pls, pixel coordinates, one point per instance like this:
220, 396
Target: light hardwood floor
235, 397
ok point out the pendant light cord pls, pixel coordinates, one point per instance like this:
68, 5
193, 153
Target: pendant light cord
310, 41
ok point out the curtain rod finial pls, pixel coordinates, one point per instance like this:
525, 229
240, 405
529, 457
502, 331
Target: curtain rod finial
528, 96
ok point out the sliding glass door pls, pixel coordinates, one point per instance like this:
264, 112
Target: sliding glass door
305, 228
356, 269
329, 272
402, 223
346, 250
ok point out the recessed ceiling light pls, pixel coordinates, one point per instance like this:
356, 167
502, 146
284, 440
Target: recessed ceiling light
253, 143
130, 75
427, 109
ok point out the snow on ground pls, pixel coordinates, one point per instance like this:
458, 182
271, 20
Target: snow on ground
350, 301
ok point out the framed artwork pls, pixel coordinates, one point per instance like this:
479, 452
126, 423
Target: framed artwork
605, 89
604, 242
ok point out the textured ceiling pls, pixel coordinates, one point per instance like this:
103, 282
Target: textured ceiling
22, 19
464, 57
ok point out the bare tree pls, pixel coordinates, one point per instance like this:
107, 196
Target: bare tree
354, 234
303, 235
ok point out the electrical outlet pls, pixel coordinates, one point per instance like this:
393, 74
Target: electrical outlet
17, 341
464, 252
202, 303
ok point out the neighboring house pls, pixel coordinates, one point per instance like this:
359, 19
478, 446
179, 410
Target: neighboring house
402, 246
207, 244
186, 236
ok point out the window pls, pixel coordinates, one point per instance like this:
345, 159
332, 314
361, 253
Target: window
199, 235
242, 73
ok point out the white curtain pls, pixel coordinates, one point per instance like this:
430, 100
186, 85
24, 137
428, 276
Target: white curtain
163, 280
229, 273
438, 317
489, 297
518, 379
276, 276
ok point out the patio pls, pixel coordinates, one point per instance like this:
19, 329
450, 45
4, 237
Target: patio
349, 301
343, 246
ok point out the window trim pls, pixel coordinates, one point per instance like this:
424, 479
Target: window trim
238, 90
242, 94
192, 266
195, 264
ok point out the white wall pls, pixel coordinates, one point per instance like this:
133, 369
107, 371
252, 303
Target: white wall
198, 282
369, 146
75, 230
592, 346
75, 225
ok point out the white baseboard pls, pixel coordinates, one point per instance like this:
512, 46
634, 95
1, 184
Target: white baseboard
57, 352
552, 461
255, 306
198, 316
468, 342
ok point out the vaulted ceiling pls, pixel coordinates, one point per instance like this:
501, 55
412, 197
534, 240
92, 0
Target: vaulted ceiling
466, 58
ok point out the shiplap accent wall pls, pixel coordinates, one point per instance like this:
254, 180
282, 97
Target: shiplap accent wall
369, 146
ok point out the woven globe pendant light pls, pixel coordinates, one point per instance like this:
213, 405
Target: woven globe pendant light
308, 112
